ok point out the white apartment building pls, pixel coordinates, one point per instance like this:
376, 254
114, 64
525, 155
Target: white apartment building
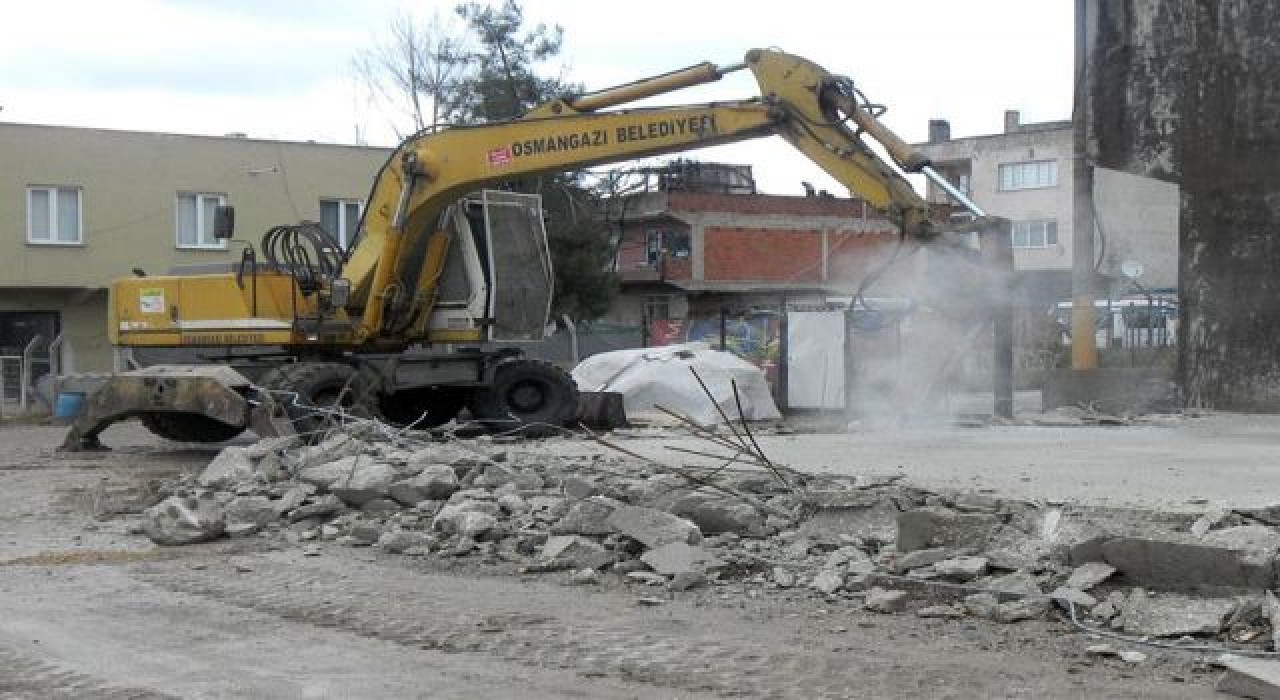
1025, 174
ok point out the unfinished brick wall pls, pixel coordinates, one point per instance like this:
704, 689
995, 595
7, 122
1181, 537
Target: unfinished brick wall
766, 255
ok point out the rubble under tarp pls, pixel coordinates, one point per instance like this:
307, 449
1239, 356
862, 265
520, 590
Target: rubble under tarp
649, 378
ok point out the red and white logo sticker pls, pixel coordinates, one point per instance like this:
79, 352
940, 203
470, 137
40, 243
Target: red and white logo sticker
499, 157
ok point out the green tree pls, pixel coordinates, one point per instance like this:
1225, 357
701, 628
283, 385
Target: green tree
505, 83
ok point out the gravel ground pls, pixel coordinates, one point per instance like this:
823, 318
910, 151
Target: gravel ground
92, 611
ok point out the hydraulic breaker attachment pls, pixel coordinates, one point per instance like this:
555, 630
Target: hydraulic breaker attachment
200, 402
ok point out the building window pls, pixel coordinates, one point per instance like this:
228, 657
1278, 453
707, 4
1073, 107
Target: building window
341, 218
653, 248
53, 215
658, 243
1030, 175
195, 220
1040, 233
657, 306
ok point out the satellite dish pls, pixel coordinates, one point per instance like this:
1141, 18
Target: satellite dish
1132, 269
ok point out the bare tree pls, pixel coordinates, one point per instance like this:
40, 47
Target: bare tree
418, 69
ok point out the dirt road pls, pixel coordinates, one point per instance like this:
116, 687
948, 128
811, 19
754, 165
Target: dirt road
90, 611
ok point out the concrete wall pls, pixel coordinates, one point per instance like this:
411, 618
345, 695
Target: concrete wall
130, 181
1138, 217
129, 184
1186, 91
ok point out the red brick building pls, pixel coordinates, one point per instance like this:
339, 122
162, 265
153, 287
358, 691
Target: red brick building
690, 254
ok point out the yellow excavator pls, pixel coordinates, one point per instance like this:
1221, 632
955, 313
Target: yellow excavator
408, 323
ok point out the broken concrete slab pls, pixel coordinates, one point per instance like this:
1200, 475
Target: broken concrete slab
231, 466
984, 605
178, 520
870, 516
589, 516
323, 506
448, 519
1030, 608
950, 612
323, 474
1228, 560
292, 498
1273, 615
935, 526
402, 540
675, 557
363, 483
433, 483
652, 527
1174, 615
1249, 678
578, 551
475, 525
1066, 596
1018, 582
921, 558
246, 515
827, 581
686, 580
1208, 521
717, 516
885, 601
961, 568
1089, 574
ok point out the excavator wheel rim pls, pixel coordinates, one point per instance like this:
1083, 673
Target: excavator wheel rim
556, 404
321, 385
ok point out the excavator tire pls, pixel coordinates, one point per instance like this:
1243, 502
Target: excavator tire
188, 427
528, 397
439, 404
304, 387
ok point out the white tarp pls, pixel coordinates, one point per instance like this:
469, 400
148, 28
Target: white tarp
649, 377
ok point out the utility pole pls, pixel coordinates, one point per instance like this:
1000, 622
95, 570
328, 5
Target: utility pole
1084, 352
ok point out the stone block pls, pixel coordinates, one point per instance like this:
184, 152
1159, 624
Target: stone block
827, 581
673, 558
961, 568
1174, 615
249, 514
231, 466
717, 516
885, 601
578, 551
1170, 565
363, 483
398, 541
652, 527
934, 526
589, 516
1089, 574
1250, 678
921, 558
178, 521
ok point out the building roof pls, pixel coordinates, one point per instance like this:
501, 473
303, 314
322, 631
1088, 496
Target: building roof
232, 136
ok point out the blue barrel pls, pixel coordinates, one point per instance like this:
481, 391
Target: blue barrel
70, 405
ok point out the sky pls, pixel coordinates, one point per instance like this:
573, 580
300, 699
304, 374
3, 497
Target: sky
282, 69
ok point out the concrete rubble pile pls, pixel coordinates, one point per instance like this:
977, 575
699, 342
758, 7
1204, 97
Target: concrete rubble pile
876, 543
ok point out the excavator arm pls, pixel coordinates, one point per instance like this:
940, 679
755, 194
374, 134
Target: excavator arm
821, 114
